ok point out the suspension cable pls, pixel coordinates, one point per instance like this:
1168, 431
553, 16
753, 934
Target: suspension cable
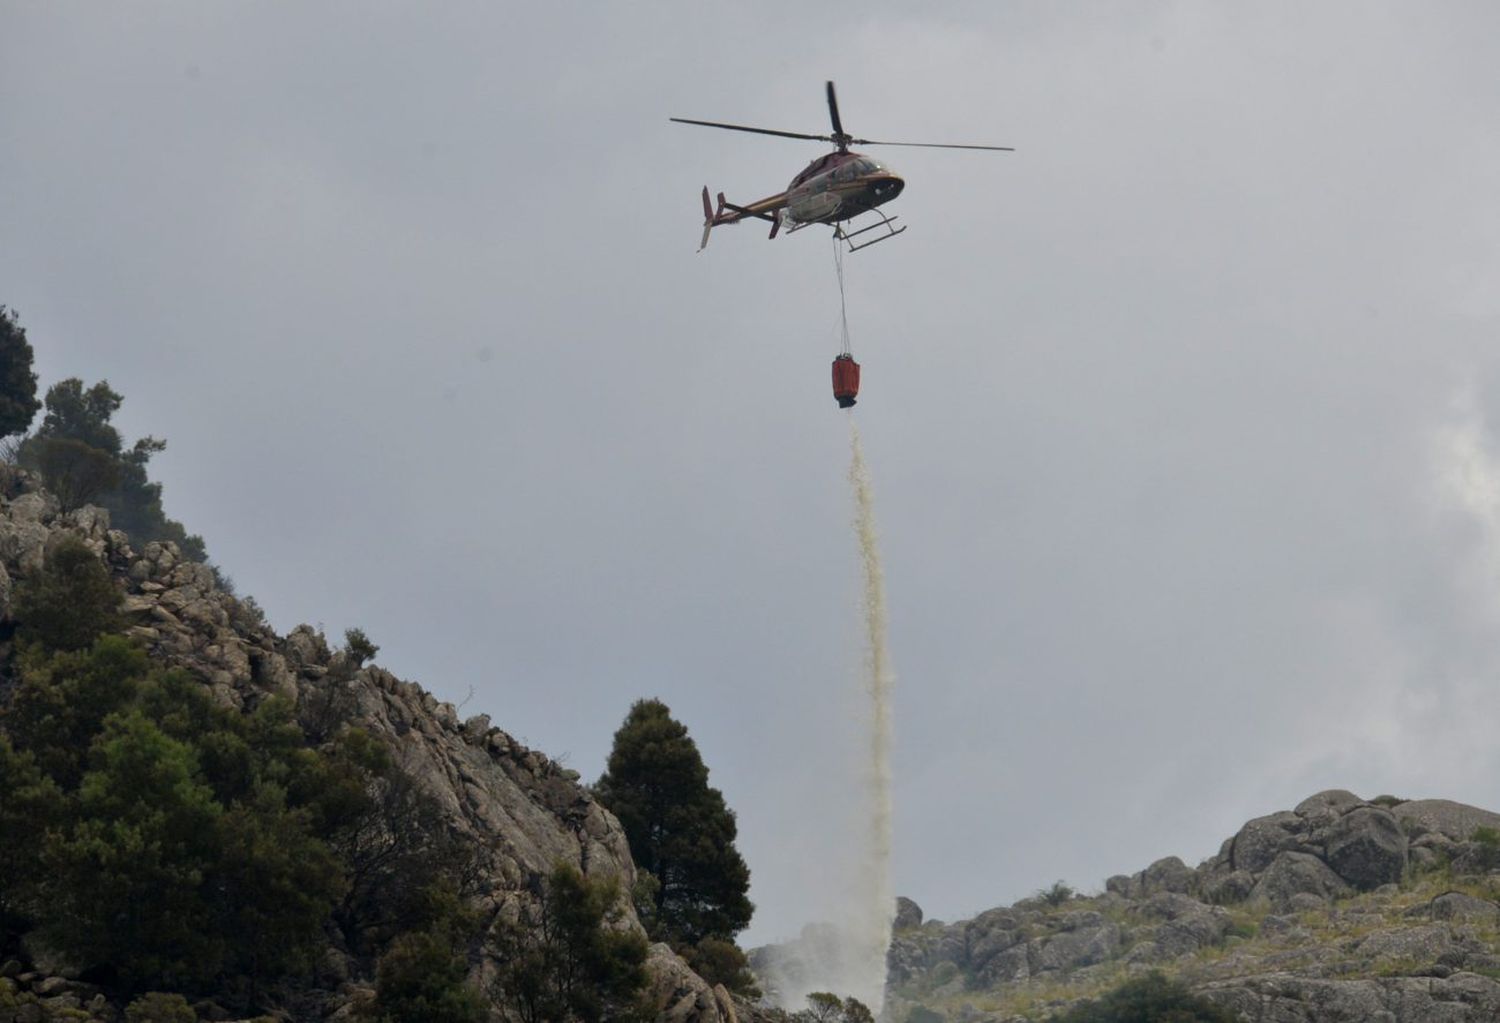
838, 266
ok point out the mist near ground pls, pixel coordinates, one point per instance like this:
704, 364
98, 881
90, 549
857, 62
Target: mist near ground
1183, 416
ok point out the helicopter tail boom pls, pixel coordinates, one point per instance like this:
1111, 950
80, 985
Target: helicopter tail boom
729, 213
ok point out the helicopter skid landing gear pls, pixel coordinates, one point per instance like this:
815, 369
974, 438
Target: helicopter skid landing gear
847, 237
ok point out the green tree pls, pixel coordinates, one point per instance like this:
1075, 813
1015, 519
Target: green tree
395, 845
64, 699
74, 471
30, 804
827, 1007
1149, 999
423, 978
679, 828
18, 401
127, 873
83, 415
358, 647
165, 840
567, 960
722, 962
273, 885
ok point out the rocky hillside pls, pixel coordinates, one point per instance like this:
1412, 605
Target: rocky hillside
519, 809
1341, 909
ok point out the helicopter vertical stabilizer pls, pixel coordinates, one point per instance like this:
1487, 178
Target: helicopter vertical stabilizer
708, 220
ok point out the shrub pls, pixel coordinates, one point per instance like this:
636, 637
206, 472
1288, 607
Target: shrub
1487, 843
71, 601
74, 471
156, 1007
827, 1007
423, 979
180, 838
565, 959
134, 502
1059, 893
1149, 999
721, 962
358, 646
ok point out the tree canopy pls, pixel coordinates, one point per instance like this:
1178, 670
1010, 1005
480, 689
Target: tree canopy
18, 401
679, 828
76, 424
567, 961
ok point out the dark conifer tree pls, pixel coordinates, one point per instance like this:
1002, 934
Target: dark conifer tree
18, 401
76, 413
679, 828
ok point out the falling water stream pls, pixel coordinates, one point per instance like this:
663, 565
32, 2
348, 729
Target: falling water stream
877, 908
846, 955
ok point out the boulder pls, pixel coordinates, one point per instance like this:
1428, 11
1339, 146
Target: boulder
39, 508
1083, 947
908, 914
23, 544
1009, 966
1261, 840
1463, 907
1294, 873
1328, 804
1367, 848
1455, 821
1228, 888
1169, 874
1187, 924
1413, 947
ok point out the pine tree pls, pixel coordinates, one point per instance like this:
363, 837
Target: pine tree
132, 498
679, 828
18, 402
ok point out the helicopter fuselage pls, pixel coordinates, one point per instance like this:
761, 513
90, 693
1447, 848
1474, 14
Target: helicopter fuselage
833, 189
840, 186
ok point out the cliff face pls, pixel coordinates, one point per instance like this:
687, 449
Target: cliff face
1339, 909
521, 811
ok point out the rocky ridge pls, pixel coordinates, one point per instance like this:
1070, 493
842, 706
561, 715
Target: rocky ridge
521, 810
1340, 909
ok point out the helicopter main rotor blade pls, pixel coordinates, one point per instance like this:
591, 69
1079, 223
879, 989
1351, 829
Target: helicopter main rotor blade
758, 131
833, 111
929, 145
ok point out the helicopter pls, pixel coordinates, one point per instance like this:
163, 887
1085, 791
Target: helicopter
833, 189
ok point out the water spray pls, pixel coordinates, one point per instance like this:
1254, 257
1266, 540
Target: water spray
878, 909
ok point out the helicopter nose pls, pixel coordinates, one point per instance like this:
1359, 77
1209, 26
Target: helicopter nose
887, 189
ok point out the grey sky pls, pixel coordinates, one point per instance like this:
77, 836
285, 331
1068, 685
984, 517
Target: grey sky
1179, 417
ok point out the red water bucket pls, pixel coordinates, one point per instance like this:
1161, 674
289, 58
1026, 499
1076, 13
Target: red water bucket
845, 380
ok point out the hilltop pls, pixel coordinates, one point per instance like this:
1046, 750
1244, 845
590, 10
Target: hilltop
1340, 909
508, 815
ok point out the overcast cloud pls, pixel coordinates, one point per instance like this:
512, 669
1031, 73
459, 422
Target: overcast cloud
1182, 418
